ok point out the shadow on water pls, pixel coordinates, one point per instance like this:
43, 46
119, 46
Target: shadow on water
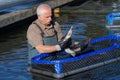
14, 35
13, 51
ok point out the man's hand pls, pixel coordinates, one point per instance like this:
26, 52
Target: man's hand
64, 44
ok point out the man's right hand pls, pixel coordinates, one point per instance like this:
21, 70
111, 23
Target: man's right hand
64, 44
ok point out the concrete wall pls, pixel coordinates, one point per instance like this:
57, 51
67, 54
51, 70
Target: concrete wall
19, 15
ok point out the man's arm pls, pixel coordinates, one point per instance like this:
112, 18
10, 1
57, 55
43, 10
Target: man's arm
45, 49
48, 49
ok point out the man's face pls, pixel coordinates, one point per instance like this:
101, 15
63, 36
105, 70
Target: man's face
45, 18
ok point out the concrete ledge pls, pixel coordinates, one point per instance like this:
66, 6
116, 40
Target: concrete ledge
16, 16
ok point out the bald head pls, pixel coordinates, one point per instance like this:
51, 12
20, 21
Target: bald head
42, 8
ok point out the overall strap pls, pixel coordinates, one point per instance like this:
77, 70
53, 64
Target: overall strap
42, 33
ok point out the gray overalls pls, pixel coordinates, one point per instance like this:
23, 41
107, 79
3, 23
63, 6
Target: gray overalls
49, 40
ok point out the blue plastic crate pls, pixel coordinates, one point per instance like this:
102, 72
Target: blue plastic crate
112, 16
107, 50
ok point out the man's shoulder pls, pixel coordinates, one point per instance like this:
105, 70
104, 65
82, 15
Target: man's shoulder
33, 27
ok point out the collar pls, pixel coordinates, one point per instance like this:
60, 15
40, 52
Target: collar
42, 26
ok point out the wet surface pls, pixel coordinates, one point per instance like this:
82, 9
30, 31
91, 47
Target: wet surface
13, 5
13, 50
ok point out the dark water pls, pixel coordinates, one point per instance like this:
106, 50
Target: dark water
13, 50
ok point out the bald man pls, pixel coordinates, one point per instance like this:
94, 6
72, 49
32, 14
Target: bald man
44, 34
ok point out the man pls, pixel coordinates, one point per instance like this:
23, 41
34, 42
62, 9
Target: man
44, 34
